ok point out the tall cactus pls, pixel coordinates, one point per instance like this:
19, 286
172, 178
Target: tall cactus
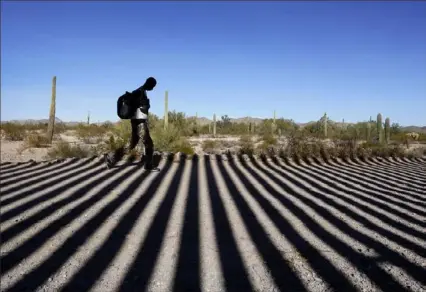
369, 131
325, 125
380, 128
214, 125
387, 130
51, 125
196, 122
166, 110
274, 123
88, 118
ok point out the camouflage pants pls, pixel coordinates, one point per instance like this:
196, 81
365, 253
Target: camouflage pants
140, 133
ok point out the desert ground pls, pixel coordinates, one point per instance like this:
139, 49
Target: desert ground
17, 152
212, 223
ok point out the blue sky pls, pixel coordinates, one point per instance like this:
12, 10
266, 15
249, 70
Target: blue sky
351, 60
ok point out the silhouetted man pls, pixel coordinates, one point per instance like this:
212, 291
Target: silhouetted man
139, 121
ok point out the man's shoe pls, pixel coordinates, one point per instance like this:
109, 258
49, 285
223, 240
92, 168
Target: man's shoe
151, 168
109, 163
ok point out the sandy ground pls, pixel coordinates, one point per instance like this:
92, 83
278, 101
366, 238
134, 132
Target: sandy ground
12, 151
15, 151
211, 224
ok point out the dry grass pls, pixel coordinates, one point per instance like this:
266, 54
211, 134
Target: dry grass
13, 132
297, 144
69, 150
170, 140
210, 145
246, 145
90, 134
300, 147
268, 145
37, 140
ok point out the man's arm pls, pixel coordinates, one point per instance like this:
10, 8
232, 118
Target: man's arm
145, 104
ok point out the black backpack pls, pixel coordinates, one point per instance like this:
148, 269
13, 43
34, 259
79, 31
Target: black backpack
125, 109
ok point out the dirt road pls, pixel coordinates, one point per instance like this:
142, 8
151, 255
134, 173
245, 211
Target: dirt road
210, 224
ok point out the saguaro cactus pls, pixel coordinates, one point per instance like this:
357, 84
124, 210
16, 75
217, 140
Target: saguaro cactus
368, 131
380, 128
274, 123
196, 122
214, 125
387, 130
88, 118
325, 125
51, 125
251, 127
166, 110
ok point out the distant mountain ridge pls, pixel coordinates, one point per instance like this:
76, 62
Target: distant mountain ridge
205, 121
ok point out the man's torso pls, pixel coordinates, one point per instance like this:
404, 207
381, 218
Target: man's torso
141, 104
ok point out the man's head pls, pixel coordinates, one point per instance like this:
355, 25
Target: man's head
149, 83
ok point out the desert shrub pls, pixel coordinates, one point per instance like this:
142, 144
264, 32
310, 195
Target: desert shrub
154, 120
265, 149
379, 150
295, 145
59, 128
36, 140
170, 140
107, 126
400, 137
344, 149
228, 144
123, 130
269, 139
180, 122
13, 131
246, 145
299, 146
210, 146
90, 134
165, 139
268, 146
118, 136
184, 146
110, 144
67, 150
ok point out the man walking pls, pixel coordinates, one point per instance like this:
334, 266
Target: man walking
139, 102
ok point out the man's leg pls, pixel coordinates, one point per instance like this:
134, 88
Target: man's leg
149, 147
136, 134
118, 154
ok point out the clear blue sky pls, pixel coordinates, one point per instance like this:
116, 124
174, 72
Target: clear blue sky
351, 60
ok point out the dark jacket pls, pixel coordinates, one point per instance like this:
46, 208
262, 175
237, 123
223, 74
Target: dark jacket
139, 99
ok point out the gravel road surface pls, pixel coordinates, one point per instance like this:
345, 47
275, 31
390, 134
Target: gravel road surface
214, 223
